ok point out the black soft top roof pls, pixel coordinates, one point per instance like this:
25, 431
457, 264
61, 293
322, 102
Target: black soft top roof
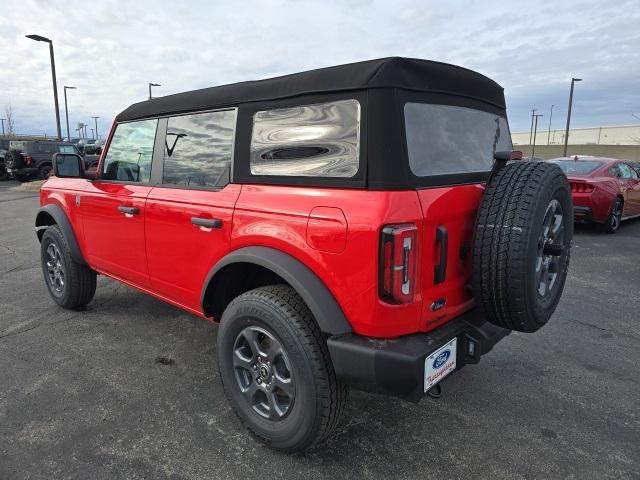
405, 73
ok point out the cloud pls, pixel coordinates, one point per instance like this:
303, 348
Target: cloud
110, 50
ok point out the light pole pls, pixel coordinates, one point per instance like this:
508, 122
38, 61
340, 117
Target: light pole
550, 117
66, 109
566, 133
535, 131
93, 133
40, 38
533, 112
3, 119
95, 119
153, 85
84, 125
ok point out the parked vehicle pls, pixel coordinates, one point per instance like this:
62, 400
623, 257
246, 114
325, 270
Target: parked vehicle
605, 190
335, 222
27, 159
4, 146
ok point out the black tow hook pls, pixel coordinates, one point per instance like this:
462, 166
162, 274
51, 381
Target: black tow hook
435, 391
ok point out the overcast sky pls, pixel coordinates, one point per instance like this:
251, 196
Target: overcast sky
110, 50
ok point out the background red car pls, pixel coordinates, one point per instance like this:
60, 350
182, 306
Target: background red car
605, 190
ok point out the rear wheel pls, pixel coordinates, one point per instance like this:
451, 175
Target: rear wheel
521, 246
44, 172
276, 370
614, 219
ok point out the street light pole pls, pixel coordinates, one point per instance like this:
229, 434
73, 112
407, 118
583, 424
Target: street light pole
95, 119
535, 131
533, 112
3, 119
566, 133
40, 38
153, 85
66, 110
550, 117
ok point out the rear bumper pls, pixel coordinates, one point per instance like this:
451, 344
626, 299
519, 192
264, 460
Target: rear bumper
396, 366
22, 172
582, 214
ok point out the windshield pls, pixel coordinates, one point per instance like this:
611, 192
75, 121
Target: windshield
580, 167
446, 139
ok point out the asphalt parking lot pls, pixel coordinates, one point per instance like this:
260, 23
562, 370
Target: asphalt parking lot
86, 395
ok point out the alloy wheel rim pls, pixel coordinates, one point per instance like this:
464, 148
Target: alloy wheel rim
55, 268
263, 374
550, 249
617, 213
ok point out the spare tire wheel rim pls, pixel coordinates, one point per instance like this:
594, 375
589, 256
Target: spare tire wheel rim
263, 373
550, 249
55, 268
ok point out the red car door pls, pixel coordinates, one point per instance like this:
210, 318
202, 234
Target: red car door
632, 190
189, 213
113, 206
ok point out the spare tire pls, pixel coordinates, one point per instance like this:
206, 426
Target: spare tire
522, 244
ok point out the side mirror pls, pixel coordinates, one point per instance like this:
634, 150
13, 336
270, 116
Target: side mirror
68, 165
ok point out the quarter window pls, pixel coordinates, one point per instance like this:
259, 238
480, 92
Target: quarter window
130, 152
198, 149
320, 140
446, 139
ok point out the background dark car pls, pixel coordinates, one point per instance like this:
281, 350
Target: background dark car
32, 158
4, 148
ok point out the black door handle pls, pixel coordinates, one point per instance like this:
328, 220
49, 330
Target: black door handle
128, 210
207, 222
440, 271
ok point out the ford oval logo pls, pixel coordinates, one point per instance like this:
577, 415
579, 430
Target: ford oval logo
441, 359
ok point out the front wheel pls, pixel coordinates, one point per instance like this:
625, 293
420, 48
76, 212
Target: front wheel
70, 284
276, 370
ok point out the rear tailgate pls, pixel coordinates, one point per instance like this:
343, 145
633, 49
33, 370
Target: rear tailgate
449, 216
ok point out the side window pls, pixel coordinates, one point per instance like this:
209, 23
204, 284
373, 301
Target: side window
615, 171
321, 140
67, 149
130, 152
198, 149
627, 171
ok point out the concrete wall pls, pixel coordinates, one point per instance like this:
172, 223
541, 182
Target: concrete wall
623, 152
613, 135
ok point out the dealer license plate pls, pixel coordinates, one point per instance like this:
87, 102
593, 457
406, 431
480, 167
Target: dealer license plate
440, 364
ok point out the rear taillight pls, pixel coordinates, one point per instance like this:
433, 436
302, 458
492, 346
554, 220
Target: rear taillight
398, 251
579, 187
29, 160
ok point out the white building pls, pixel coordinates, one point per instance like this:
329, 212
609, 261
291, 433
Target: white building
614, 135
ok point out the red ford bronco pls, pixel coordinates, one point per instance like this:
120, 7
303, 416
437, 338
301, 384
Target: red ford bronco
363, 225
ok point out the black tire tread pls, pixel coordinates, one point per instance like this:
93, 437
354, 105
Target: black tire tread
500, 254
81, 280
332, 394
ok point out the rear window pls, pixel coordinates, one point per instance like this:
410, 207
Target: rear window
580, 167
66, 149
445, 139
320, 140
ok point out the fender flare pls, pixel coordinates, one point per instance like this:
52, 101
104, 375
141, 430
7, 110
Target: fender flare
312, 290
63, 222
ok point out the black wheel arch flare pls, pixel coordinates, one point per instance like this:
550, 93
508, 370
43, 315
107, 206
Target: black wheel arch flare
302, 279
60, 218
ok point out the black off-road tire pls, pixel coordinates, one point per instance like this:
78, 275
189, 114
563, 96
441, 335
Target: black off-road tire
319, 398
79, 280
511, 251
44, 172
614, 219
